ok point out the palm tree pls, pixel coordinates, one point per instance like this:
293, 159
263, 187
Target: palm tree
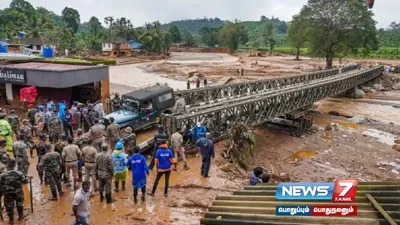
109, 20
38, 27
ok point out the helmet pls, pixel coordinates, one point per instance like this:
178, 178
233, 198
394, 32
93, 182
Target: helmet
128, 130
12, 111
40, 107
119, 145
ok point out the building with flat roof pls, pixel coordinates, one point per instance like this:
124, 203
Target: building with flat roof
55, 81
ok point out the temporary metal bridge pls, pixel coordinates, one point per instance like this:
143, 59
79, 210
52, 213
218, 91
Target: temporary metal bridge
257, 102
377, 202
262, 108
209, 93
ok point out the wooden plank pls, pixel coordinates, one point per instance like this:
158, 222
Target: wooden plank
380, 209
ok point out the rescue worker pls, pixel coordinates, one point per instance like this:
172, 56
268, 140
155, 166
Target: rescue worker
210, 125
158, 137
6, 132
47, 117
164, 161
51, 165
140, 171
39, 120
13, 120
3, 152
120, 169
199, 131
41, 149
129, 139
55, 128
96, 135
67, 123
177, 145
206, 148
104, 168
116, 102
89, 155
11, 187
78, 117
93, 115
180, 105
113, 132
85, 118
79, 141
58, 147
31, 116
26, 132
70, 155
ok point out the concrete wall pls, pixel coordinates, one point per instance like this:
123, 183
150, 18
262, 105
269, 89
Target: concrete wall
55, 79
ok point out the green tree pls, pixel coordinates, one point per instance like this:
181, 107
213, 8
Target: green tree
233, 35
337, 28
209, 36
95, 26
272, 43
72, 18
267, 33
263, 18
167, 39
23, 7
188, 39
109, 20
394, 34
298, 33
38, 27
175, 34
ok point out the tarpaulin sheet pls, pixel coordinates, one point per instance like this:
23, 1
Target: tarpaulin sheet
28, 94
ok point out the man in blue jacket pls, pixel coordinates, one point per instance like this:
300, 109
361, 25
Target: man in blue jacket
206, 148
140, 171
164, 160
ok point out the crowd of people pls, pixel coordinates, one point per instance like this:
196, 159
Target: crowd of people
72, 142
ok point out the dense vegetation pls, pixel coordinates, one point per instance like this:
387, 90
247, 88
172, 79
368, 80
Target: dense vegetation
352, 34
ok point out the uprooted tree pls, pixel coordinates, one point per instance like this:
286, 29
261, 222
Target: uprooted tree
241, 144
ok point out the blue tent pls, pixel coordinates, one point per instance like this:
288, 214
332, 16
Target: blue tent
135, 45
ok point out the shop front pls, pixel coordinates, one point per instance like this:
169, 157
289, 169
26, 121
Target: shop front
54, 81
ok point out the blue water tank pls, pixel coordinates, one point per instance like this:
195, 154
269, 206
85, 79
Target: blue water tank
47, 52
3, 48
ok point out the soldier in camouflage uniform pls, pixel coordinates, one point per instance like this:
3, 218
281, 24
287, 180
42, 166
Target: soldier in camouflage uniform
39, 120
104, 168
129, 141
3, 152
113, 133
85, 118
58, 147
93, 114
11, 188
13, 120
26, 132
41, 149
78, 140
55, 128
21, 156
78, 118
51, 164
96, 135
116, 102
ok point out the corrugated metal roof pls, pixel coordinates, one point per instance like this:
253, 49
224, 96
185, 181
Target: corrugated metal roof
17, 56
49, 66
256, 205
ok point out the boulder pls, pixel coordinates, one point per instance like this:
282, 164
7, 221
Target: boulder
397, 141
358, 93
366, 89
360, 120
396, 86
378, 87
396, 147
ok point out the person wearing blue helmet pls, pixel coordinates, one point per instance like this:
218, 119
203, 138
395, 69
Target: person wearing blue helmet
120, 168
